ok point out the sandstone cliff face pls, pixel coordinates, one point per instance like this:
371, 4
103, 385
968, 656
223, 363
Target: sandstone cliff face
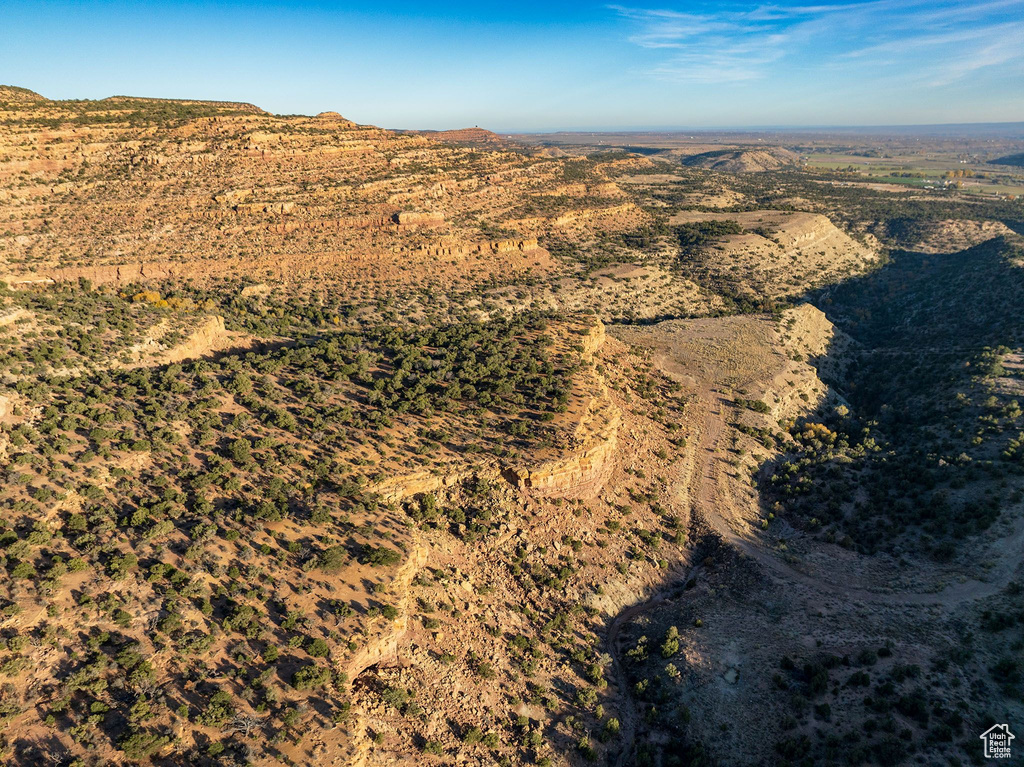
132, 273
126, 274
594, 341
812, 229
265, 207
575, 473
603, 189
797, 391
461, 250
206, 338
809, 333
411, 218
578, 473
815, 349
576, 217
474, 137
404, 486
606, 189
384, 647
582, 473
117, 274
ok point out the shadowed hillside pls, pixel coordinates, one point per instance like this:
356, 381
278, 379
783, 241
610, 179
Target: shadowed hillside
932, 384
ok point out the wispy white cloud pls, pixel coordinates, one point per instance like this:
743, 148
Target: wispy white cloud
1000, 50
932, 42
734, 62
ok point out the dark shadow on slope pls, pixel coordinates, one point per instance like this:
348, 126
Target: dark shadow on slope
921, 460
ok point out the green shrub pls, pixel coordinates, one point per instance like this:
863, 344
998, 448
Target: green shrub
310, 677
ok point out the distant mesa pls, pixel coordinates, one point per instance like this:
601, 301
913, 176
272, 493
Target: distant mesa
742, 160
471, 137
468, 134
232, 106
553, 152
1017, 160
14, 94
330, 116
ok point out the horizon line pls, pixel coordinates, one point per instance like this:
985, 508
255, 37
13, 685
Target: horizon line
754, 128
751, 128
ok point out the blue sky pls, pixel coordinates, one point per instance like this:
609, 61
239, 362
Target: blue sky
538, 66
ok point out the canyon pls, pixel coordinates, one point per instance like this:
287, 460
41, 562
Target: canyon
331, 444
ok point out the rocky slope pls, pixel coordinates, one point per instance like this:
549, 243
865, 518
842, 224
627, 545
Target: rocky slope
100, 195
742, 160
778, 253
318, 450
953, 236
